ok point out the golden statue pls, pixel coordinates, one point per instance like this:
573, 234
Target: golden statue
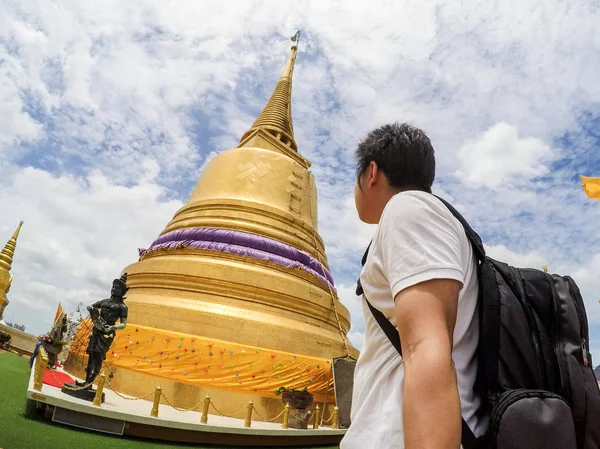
6, 259
235, 297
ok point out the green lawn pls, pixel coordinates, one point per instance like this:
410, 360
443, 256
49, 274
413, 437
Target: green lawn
19, 432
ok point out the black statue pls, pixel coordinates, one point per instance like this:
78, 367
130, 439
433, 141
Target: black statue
105, 314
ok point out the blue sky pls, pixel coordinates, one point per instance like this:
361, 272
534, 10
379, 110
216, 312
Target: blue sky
111, 111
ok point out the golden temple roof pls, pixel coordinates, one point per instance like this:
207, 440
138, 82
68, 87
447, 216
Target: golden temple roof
276, 117
7, 254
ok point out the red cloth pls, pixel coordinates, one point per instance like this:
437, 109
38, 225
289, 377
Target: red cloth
57, 378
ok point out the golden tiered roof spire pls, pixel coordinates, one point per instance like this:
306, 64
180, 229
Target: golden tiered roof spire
7, 254
276, 117
6, 259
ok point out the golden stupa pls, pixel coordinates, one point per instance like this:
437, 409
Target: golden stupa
235, 297
6, 259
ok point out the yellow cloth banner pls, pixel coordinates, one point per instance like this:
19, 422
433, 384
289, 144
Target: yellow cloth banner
591, 187
210, 363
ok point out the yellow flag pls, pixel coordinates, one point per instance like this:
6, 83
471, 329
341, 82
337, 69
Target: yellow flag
59, 312
591, 187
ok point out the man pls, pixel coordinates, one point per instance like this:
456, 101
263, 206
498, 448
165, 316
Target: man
36, 350
105, 314
421, 273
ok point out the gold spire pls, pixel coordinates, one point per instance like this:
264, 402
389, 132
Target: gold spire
7, 254
276, 117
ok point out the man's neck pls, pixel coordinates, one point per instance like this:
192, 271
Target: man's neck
390, 192
384, 198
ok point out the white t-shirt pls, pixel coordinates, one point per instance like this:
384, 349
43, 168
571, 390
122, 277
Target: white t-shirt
417, 239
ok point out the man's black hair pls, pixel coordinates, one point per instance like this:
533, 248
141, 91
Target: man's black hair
404, 154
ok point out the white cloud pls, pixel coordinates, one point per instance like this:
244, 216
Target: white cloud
587, 277
122, 83
79, 233
504, 254
17, 125
499, 157
346, 294
337, 218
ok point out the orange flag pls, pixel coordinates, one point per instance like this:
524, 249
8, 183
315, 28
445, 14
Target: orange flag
591, 187
59, 312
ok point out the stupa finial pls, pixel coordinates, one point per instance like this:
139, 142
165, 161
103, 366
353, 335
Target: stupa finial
7, 254
276, 117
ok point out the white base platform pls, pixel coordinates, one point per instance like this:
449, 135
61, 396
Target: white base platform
180, 426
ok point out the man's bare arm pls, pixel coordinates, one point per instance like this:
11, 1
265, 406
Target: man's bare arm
425, 315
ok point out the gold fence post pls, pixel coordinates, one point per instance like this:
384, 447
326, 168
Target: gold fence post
249, 408
40, 369
157, 393
335, 420
204, 418
286, 416
317, 417
98, 398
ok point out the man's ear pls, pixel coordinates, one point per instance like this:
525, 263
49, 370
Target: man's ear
373, 174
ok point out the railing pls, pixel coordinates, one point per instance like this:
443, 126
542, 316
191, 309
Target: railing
248, 409
41, 363
206, 402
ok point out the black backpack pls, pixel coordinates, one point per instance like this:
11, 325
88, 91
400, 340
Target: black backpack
535, 374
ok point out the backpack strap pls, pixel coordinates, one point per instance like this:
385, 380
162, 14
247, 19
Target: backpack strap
388, 328
471, 234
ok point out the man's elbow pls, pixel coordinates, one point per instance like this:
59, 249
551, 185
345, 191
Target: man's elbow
429, 358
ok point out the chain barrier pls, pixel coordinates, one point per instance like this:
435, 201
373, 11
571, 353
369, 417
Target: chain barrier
265, 419
182, 409
328, 420
229, 416
66, 387
177, 394
131, 398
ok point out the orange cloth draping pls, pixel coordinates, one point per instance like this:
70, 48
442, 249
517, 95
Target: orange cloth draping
210, 363
591, 187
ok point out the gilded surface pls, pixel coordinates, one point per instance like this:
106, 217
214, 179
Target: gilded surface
257, 191
276, 117
262, 187
235, 298
6, 259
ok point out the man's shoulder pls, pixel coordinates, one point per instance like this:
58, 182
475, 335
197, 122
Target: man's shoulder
416, 206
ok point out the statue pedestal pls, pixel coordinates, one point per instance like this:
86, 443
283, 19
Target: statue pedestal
299, 418
299, 413
85, 394
53, 350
